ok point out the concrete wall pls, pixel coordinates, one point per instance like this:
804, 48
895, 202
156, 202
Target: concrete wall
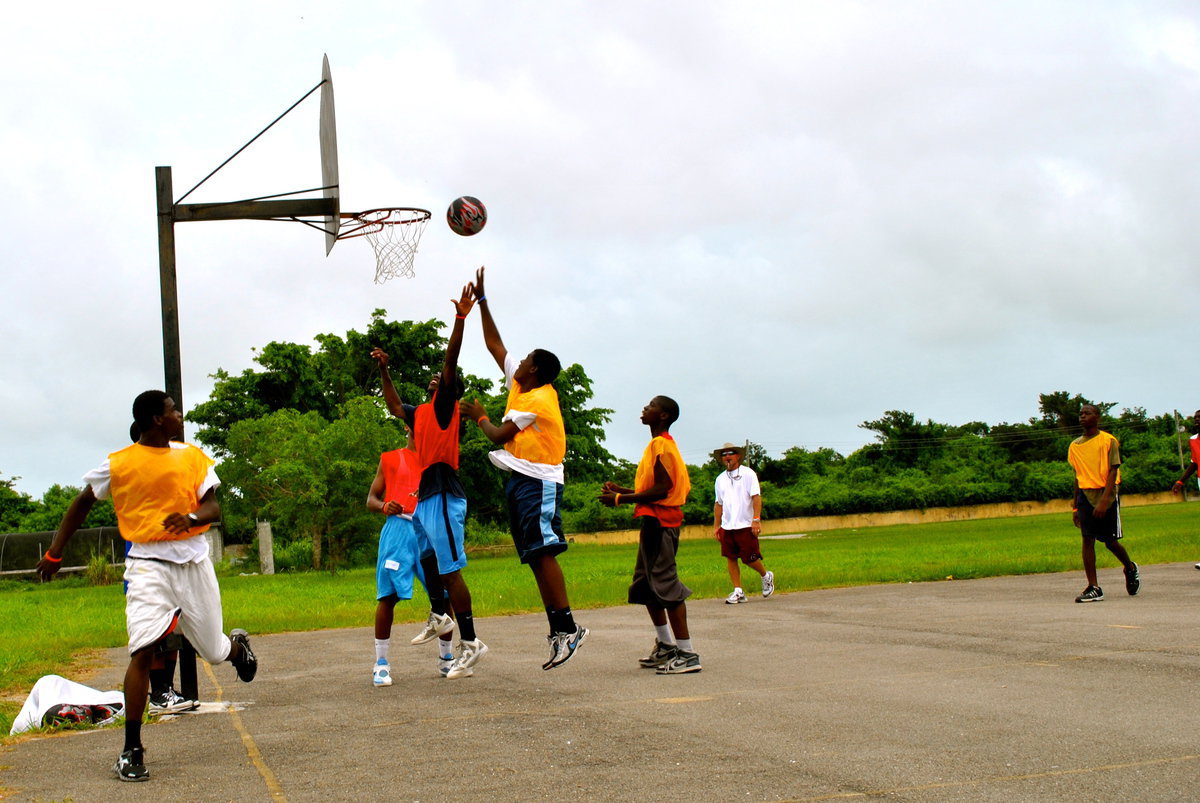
805, 524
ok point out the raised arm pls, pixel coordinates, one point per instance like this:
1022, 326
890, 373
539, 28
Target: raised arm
462, 308
491, 335
390, 396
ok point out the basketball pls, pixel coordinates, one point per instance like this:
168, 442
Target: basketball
466, 216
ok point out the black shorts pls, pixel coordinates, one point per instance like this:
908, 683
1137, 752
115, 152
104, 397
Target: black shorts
655, 577
1107, 528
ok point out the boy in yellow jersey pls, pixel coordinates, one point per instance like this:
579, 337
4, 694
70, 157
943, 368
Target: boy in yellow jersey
164, 493
660, 489
535, 443
1096, 458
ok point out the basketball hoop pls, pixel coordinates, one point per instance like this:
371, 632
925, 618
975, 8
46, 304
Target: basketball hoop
394, 234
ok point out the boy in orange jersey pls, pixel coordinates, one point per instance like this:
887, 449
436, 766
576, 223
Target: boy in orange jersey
1194, 445
1096, 458
660, 489
441, 514
534, 444
394, 494
164, 493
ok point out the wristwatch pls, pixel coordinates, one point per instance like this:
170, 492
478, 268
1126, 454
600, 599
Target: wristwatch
193, 519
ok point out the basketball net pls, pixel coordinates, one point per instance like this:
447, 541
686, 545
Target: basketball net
394, 233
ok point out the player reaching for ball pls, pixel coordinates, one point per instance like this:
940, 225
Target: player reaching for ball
535, 444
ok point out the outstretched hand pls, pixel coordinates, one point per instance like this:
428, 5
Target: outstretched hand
463, 305
380, 356
472, 409
477, 287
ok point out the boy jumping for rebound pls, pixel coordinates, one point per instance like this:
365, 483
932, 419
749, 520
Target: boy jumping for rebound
660, 489
1096, 457
394, 494
535, 443
164, 493
440, 517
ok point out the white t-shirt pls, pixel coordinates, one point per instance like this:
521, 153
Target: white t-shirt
506, 460
189, 550
734, 491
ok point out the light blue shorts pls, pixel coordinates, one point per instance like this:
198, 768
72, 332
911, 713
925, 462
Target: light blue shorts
399, 559
441, 523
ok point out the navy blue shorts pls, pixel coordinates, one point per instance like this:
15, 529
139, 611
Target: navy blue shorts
533, 516
1106, 529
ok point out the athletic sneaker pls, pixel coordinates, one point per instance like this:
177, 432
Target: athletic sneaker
768, 584
1198, 565
444, 664
1091, 594
381, 674
67, 714
246, 664
564, 645
131, 765
472, 651
737, 596
438, 624
171, 702
1133, 580
658, 656
104, 714
679, 663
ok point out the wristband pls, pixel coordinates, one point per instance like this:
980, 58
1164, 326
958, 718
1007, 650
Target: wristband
460, 317
616, 500
1179, 482
51, 558
481, 419
755, 519
481, 299
193, 519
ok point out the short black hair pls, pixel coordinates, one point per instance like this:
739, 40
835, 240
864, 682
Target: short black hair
548, 366
148, 404
670, 407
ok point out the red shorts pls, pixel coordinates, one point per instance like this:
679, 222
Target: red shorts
742, 543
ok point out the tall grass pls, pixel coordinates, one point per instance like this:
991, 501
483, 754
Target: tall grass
54, 627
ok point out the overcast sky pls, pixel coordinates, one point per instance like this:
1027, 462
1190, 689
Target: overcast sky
789, 216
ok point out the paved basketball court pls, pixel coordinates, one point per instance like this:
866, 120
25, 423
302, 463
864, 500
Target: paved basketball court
996, 689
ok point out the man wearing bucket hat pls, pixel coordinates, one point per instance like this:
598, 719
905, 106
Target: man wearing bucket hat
737, 521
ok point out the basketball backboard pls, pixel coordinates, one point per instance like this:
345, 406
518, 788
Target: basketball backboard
329, 157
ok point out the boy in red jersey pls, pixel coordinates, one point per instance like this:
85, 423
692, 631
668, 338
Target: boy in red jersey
660, 489
441, 513
1096, 457
394, 494
534, 444
1194, 446
164, 493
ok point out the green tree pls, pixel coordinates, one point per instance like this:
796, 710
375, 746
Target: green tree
310, 477
14, 506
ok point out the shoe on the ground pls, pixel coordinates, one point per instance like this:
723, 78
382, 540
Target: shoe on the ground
1198, 565
564, 645
768, 581
658, 656
737, 596
1091, 594
171, 702
1133, 580
472, 651
67, 714
381, 674
131, 765
246, 664
105, 714
438, 624
444, 664
679, 663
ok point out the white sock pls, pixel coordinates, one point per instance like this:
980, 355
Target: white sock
738, 590
663, 633
684, 644
381, 648
445, 648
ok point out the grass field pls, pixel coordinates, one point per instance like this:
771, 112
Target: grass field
57, 628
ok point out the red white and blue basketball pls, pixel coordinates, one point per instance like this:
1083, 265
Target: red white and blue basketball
466, 216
